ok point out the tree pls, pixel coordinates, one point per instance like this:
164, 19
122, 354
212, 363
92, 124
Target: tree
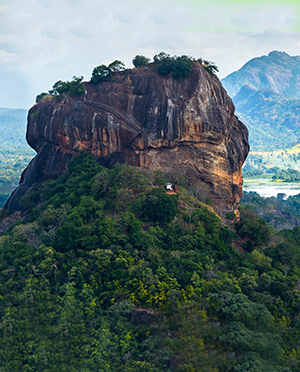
100, 183
210, 67
179, 66
159, 206
100, 73
103, 72
116, 66
39, 97
140, 61
160, 57
251, 227
73, 88
132, 178
182, 67
165, 63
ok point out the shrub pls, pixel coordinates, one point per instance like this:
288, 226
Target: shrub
251, 227
39, 97
103, 72
140, 61
182, 67
100, 73
159, 206
210, 67
179, 66
73, 88
116, 66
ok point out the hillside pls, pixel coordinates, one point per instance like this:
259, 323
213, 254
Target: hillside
266, 95
110, 274
15, 154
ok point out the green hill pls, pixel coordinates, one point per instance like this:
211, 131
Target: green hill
112, 274
15, 154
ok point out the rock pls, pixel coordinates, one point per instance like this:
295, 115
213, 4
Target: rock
145, 120
6, 222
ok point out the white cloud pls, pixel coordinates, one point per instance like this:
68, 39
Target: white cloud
42, 41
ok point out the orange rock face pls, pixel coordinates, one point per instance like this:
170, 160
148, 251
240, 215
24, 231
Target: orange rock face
146, 120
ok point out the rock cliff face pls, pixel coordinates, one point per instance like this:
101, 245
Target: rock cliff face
145, 120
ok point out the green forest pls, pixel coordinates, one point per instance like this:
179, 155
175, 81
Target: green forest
112, 274
280, 212
15, 154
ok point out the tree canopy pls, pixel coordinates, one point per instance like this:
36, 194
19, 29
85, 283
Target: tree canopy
73, 88
180, 67
209, 66
112, 274
103, 72
140, 61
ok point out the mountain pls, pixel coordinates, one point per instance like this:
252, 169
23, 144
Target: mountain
15, 153
266, 94
142, 118
277, 71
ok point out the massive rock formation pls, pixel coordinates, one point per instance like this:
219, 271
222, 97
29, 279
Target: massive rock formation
146, 120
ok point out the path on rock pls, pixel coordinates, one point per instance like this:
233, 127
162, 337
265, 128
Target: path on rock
127, 118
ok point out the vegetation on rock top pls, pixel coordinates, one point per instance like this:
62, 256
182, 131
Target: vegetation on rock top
73, 88
180, 67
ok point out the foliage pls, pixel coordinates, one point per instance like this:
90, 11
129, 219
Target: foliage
100, 73
103, 72
210, 67
279, 212
251, 227
116, 66
15, 154
287, 175
140, 61
73, 88
40, 96
159, 206
112, 274
180, 67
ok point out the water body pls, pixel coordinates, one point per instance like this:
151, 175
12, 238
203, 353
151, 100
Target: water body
267, 188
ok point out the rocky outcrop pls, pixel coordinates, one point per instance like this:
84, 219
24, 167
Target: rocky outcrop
145, 120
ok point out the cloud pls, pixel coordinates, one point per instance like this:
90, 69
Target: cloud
44, 41
245, 16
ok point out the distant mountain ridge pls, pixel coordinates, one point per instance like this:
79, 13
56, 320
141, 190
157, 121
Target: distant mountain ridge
13, 125
266, 94
277, 71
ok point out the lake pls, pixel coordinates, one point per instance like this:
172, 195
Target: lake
267, 188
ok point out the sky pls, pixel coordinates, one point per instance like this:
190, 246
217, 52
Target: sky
43, 41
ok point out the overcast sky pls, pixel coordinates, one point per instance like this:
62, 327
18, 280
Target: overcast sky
42, 41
